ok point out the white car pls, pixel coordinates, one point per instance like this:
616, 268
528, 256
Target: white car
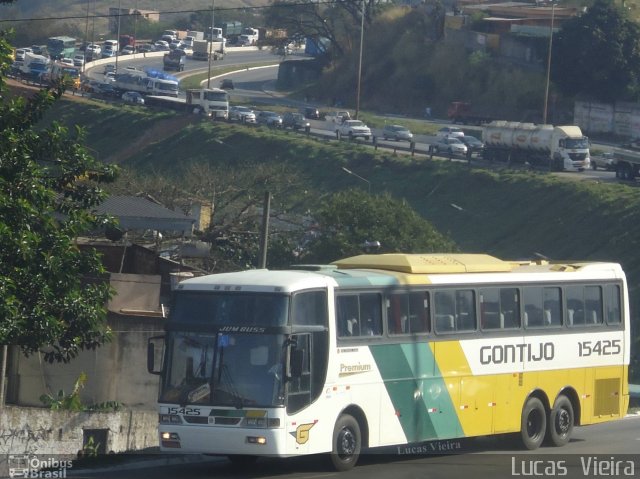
449, 144
243, 114
67, 61
353, 129
78, 60
133, 97
21, 52
337, 116
127, 50
94, 49
161, 46
450, 131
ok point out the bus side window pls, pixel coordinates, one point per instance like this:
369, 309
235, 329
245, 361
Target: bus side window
418, 312
397, 313
444, 311
575, 305
347, 316
465, 310
370, 314
612, 303
593, 304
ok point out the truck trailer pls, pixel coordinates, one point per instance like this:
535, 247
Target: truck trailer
627, 164
202, 49
463, 112
561, 148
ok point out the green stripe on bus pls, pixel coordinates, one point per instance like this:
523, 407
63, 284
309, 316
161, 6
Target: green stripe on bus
418, 393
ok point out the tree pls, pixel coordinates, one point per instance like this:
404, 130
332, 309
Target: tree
596, 55
348, 220
51, 293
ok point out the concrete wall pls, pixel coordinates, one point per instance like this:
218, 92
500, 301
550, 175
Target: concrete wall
61, 434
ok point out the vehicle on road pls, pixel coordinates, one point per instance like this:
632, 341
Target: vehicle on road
105, 89
133, 97
463, 112
227, 84
353, 129
127, 50
21, 52
391, 350
243, 114
78, 60
269, 118
474, 146
310, 112
449, 144
449, 131
605, 161
295, 121
161, 46
108, 52
337, 116
397, 133
174, 60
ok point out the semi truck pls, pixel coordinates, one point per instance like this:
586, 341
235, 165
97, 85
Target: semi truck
174, 60
211, 102
202, 49
463, 112
627, 164
561, 148
249, 36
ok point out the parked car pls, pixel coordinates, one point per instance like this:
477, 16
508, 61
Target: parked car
474, 146
296, 121
451, 145
606, 161
353, 129
133, 97
397, 133
269, 118
243, 114
78, 60
310, 112
226, 84
128, 50
452, 131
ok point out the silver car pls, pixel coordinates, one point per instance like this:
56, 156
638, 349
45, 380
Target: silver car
397, 133
243, 114
269, 118
449, 145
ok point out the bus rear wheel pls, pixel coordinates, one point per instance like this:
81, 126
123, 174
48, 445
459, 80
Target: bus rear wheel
347, 443
561, 422
533, 424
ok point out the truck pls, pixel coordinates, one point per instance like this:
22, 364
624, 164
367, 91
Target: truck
174, 60
271, 36
231, 30
626, 163
211, 102
195, 35
249, 36
70, 74
127, 40
149, 82
170, 35
35, 68
203, 48
463, 112
561, 148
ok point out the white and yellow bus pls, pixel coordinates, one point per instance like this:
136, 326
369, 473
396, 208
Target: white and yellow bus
392, 349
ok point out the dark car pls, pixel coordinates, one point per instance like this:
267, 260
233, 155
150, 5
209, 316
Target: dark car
296, 121
106, 90
226, 84
310, 113
474, 146
269, 118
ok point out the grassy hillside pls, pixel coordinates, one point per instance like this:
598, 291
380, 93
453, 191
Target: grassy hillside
510, 214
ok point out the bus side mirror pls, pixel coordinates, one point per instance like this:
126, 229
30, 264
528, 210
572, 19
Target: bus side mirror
297, 358
152, 368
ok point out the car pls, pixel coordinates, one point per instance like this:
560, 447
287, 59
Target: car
128, 50
161, 46
397, 133
109, 67
449, 131
338, 116
243, 114
105, 89
295, 121
78, 60
310, 112
226, 84
67, 61
133, 97
108, 52
353, 129
473, 144
269, 118
21, 52
448, 144
94, 49
606, 161
144, 48
109, 77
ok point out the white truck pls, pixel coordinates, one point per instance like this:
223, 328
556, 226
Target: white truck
211, 102
202, 49
562, 148
145, 83
249, 36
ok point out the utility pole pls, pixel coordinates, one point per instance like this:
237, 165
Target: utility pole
210, 46
360, 62
264, 236
546, 90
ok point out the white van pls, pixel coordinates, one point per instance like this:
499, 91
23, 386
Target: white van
111, 44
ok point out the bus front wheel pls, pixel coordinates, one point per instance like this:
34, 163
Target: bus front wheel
347, 442
533, 424
561, 422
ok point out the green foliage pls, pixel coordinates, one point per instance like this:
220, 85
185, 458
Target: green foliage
51, 295
73, 402
91, 448
596, 55
347, 220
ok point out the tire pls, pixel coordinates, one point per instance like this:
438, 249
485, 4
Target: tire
347, 443
594, 166
561, 421
533, 424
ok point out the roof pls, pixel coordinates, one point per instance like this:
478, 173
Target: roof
135, 213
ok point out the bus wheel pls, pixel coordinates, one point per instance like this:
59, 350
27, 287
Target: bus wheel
560, 422
533, 424
346, 443
242, 461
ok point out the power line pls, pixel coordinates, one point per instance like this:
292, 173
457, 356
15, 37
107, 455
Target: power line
168, 12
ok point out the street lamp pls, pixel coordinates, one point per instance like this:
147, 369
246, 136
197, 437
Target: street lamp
359, 177
546, 90
360, 62
210, 46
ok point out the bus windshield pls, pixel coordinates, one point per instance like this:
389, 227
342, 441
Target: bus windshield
220, 369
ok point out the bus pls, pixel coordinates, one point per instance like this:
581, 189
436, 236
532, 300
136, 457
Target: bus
61, 47
391, 350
